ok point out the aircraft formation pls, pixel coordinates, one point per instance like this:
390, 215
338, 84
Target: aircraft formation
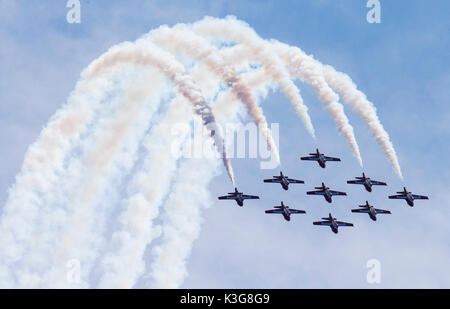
327, 193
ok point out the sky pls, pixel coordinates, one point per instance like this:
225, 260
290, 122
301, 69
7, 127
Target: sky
402, 66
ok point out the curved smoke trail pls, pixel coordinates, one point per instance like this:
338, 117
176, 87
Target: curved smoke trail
41, 169
110, 153
298, 62
181, 38
183, 220
240, 32
38, 233
144, 52
124, 262
182, 216
235, 30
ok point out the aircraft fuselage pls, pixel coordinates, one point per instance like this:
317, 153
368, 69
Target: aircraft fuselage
327, 196
322, 161
368, 185
239, 200
334, 227
372, 214
285, 183
410, 199
286, 214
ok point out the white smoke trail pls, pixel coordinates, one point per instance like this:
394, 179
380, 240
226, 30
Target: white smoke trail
191, 91
53, 213
109, 154
181, 39
182, 216
144, 52
227, 105
240, 32
149, 54
364, 108
124, 263
33, 200
41, 171
182, 221
298, 63
235, 30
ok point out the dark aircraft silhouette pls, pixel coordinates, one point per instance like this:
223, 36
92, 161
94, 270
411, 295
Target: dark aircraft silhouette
332, 223
239, 197
408, 196
285, 211
367, 182
320, 158
326, 192
372, 211
283, 180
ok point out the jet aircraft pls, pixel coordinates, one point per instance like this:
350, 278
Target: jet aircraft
367, 182
372, 211
283, 180
326, 192
320, 158
408, 196
332, 223
285, 211
239, 197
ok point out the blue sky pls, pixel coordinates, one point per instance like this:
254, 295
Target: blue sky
402, 66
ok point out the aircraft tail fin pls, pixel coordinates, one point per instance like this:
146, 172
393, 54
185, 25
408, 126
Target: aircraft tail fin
315, 153
330, 217
321, 187
365, 205
235, 191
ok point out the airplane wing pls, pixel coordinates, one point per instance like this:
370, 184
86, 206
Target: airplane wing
420, 197
250, 197
341, 223
310, 158
331, 159
398, 197
320, 192
378, 183
361, 210
296, 211
274, 211
355, 182
273, 180
337, 193
327, 223
227, 197
295, 180
382, 211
